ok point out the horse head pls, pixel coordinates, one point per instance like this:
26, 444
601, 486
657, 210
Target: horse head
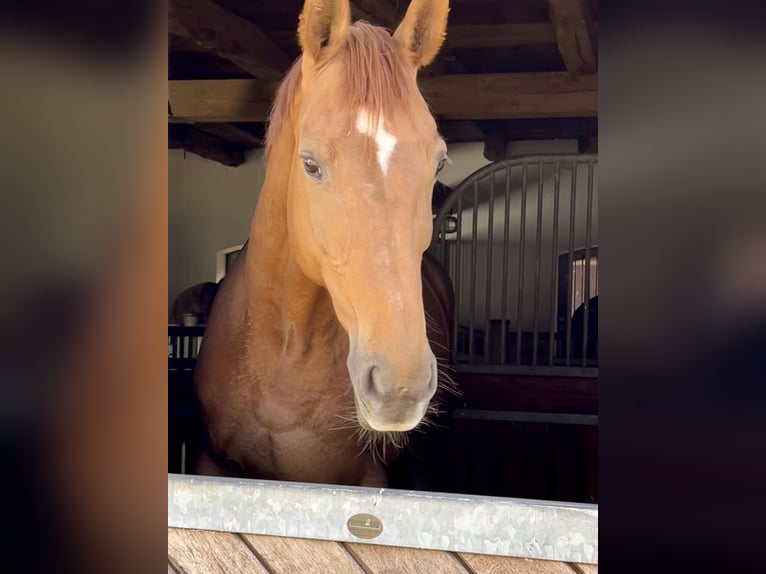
366, 155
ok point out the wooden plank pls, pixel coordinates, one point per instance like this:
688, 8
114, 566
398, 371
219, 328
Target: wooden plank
221, 100
229, 36
536, 394
486, 96
519, 129
590, 455
460, 131
397, 560
289, 555
207, 552
488, 564
575, 34
462, 36
235, 134
495, 141
468, 96
569, 475
500, 35
205, 145
585, 568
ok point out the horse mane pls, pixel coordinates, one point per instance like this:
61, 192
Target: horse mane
377, 77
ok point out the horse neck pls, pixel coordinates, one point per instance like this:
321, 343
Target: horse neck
280, 296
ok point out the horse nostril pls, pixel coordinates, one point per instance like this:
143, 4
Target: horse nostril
434, 380
371, 386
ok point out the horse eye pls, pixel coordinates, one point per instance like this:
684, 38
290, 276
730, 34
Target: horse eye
442, 162
312, 168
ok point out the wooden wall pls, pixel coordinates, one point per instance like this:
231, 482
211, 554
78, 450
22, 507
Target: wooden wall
206, 552
512, 459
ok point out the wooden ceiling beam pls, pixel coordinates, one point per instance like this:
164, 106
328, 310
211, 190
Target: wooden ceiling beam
461, 96
189, 138
575, 34
229, 36
461, 36
585, 130
460, 131
500, 35
233, 133
507, 96
500, 133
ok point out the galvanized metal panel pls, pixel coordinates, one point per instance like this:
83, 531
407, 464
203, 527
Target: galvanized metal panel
458, 523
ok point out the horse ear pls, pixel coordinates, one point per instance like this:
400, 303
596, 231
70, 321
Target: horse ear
322, 28
421, 33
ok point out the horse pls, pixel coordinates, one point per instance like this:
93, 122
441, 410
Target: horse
319, 359
196, 300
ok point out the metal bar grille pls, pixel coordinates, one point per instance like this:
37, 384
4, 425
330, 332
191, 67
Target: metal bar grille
570, 259
474, 258
555, 242
522, 237
525, 291
586, 297
504, 302
488, 294
538, 259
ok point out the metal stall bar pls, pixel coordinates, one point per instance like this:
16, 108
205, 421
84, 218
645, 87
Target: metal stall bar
586, 296
488, 294
526, 417
457, 278
472, 302
442, 234
522, 232
570, 257
538, 258
554, 262
504, 293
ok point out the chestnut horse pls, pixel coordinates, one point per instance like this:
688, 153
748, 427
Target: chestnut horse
316, 361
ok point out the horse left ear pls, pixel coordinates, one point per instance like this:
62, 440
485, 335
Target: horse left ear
322, 29
421, 33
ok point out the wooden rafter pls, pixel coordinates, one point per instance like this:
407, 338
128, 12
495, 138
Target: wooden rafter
499, 133
460, 131
575, 34
228, 36
461, 96
237, 134
461, 36
488, 96
205, 145
500, 35
250, 135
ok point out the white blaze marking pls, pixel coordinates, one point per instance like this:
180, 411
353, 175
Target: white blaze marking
386, 141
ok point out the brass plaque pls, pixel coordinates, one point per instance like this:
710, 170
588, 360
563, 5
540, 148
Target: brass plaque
364, 526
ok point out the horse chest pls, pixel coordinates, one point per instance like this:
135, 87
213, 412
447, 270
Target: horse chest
285, 446
294, 428
293, 402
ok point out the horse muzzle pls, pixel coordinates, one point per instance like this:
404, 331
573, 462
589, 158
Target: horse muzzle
392, 399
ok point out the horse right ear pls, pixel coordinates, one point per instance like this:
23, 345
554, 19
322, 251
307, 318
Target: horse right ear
421, 33
322, 29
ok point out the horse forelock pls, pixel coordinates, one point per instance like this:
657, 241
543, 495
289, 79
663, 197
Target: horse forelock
377, 78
